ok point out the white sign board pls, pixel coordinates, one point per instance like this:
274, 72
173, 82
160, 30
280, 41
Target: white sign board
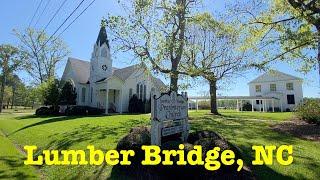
169, 115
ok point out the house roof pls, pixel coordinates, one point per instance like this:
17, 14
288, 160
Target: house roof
82, 71
274, 75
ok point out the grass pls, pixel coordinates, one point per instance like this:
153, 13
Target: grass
11, 162
241, 128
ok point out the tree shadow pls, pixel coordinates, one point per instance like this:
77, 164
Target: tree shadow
88, 132
14, 171
47, 121
299, 129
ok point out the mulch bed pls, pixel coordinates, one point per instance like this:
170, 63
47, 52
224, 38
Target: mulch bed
300, 129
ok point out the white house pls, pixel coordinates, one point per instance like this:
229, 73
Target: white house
99, 84
284, 87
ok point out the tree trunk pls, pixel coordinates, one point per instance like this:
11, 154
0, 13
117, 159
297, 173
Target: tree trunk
3, 82
174, 82
213, 96
13, 96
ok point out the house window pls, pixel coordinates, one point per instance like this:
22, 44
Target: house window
257, 101
130, 93
273, 87
289, 86
290, 99
258, 88
83, 95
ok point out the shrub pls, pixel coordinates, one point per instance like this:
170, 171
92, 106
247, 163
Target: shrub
247, 107
82, 110
309, 111
139, 106
43, 111
95, 111
68, 95
46, 111
76, 110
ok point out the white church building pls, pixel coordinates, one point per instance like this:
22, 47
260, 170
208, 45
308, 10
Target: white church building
99, 84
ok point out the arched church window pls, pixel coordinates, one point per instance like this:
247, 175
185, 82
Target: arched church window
144, 92
130, 93
83, 94
91, 93
141, 91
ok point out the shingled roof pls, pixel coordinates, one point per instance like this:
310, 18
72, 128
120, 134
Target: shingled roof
274, 75
82, 71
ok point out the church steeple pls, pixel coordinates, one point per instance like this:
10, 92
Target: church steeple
102, 37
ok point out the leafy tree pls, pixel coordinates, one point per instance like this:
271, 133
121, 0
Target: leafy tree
7, 99
41, 53
9, 62
154, 31
214, 53
68, 94
50, 92
284, 30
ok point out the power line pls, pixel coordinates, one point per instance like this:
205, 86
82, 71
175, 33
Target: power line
55, 14
45, 7
61, 25
76, 18
35, 13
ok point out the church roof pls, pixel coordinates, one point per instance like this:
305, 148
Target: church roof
102, 37
274, 75
82, 71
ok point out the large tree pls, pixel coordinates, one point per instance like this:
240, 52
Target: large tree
9, 62
41, 53
154, 31
284, 30
214, 53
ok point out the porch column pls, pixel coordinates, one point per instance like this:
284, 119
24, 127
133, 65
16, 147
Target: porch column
262, 102
237, 105
252, 105
120, 101
241, 105
281, 105
272, 105
107, 101
197, 107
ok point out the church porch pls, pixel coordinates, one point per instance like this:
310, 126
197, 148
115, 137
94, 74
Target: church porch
111, 97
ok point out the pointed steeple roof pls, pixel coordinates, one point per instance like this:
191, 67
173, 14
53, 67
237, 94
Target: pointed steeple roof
102, 37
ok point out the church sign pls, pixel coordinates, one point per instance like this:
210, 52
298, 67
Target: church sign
169, 115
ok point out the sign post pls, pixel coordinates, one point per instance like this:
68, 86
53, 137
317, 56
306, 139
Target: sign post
169, 115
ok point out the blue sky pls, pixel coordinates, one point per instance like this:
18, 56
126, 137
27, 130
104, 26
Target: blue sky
80, 37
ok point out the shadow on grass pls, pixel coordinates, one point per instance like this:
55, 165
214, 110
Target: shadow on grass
89, 133
245, 134
14, 165
47, 121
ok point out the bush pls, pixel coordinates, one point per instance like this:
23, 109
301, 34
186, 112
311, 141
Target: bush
138, 106
43, 111
46, 111
309, 111
82, 110
141, 136
247, 107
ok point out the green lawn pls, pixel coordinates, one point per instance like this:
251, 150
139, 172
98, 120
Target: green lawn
241, 128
